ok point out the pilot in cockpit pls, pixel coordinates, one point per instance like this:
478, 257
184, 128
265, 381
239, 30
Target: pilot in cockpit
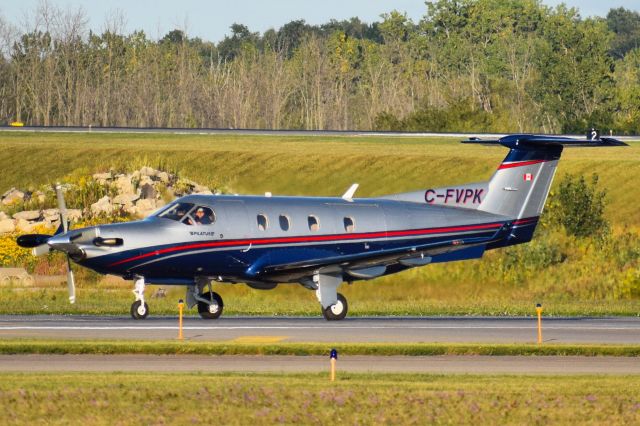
180, 213
203, 217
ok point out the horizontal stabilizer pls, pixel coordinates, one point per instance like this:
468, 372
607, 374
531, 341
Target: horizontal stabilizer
541, 141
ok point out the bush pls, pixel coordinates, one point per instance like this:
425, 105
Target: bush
520, 262
387, 122
460, 116
578, 206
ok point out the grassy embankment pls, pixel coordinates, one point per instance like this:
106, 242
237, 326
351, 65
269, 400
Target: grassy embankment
568, 276
52, 398
174, 347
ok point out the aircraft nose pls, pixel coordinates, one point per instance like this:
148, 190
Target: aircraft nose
66, 243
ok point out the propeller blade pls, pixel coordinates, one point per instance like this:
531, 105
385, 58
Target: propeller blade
71, 283
41, 250
60, 229
32, 240
62, 206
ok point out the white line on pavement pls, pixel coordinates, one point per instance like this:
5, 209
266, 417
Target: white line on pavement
309, 328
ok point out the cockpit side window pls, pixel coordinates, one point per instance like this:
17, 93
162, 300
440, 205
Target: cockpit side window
203, 215
189, 214
177, 212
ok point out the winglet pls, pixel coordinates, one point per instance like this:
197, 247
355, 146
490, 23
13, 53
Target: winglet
350, 192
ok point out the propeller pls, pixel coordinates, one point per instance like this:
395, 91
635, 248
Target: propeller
40, 243
62, 207
32, 240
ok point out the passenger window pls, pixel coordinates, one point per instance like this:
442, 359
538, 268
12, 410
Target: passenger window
349, 225
263, 223
314, 225
284, 222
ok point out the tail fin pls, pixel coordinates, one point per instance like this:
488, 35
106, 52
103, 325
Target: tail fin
520, 186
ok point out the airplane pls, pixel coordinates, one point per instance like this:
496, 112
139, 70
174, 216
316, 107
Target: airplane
316, 242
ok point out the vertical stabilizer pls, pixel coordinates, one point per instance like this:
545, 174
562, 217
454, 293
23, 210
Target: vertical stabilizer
520, 186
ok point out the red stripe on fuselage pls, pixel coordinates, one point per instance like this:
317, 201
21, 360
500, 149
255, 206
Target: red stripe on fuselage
526, 221
305, 239
519, 164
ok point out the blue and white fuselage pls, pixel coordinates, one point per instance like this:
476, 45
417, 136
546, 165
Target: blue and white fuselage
300, 234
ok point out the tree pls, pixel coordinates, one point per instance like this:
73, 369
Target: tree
291, 35
575, 78
231, 47
469, 65
625, 24
627, 78
175, 37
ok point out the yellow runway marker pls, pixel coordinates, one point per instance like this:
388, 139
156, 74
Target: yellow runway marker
259, 339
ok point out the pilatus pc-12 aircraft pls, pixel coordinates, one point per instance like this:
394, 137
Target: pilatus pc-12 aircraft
317, 242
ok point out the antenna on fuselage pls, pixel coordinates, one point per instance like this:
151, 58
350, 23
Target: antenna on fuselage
350, 192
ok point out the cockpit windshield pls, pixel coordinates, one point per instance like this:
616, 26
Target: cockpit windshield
189, 214
177, 211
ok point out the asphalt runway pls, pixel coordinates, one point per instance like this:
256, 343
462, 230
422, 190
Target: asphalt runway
446, 364
621, 330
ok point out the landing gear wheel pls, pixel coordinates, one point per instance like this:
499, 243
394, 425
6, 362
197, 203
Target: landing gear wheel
139, 311
212, 310
337, 311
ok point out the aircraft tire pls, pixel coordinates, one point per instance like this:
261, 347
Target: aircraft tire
135, 310
203, 308
338, 311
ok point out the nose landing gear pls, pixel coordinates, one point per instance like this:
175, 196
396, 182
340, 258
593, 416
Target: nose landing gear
139, 308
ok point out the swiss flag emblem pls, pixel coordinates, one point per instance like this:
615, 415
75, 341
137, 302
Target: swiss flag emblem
528, 176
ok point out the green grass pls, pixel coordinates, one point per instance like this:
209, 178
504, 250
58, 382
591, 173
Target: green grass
365, 299
233, 348
240, 399
298, 164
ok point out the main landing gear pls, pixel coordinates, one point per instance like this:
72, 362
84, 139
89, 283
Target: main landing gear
210, 304
212, 307
334, 305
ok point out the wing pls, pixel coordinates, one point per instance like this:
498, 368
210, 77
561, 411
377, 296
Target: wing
409, 255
